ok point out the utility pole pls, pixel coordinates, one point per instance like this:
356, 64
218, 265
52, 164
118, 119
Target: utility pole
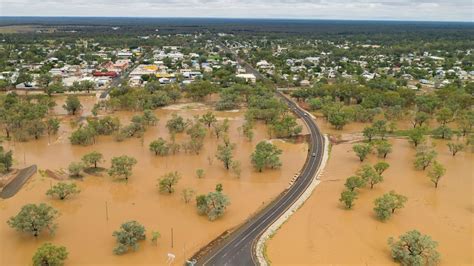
172, 239
106, 211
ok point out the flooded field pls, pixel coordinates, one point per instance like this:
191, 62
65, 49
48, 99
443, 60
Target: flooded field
322, 232
84, 227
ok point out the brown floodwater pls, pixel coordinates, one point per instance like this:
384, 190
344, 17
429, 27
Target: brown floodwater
83, 226
322, 232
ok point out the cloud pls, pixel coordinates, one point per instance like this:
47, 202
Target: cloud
443, 10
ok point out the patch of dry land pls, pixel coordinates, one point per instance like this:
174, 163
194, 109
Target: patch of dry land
83, 227
323, 232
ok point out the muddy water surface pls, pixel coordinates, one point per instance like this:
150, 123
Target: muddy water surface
86, 229
322, 232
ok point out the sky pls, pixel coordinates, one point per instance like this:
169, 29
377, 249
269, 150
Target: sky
424, 10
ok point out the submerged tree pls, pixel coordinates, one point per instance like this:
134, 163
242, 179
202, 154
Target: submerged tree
348, 197
122, 166
224, 154
436, 172
213, 204
92, 159
362, 150
159, 147
50, 255
75, 169
455, 147
386, 205
413, 248
72, 104
266, 155
63, 190
167, 182
354, 182
424, 157
34, 219
128, 236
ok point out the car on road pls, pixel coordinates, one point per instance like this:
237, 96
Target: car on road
314, 154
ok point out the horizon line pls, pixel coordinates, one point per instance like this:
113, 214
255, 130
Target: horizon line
247, 18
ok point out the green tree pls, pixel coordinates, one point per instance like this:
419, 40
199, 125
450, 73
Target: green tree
34, 219
63, 190
370, 175
338, 118
380, 127
168, 181
72, 104
436, 172
224, 153
75, 169
444, 116
92, 159
159, 147
122, 166
423, 158
455, 147
200, 173
52, 126
213, 204
354, 182
362, 150
266, 155
442, 132
128, 236
413, 248
386, 205
369, 133
417, 136
83, 136
347, 198
380, 167
49, 254
221, 128
208, 119
420, 118
154, 237
188, 194
236, 168
285, 127
383, 148
6, 160
176, 124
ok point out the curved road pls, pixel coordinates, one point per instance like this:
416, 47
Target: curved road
238, 248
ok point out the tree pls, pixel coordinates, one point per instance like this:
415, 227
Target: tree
200, 173
176, 124
52, 126
362, 150
63, 190
417, 136
154, 237
6, 160
224, 153
247, 130
92, 159
122, 166
285, 127
213, 204
465, 121
188, 194
383, 148
338, 118
423, 158
159, 147
455, 147
413, 248
348, 197
354, 182
436, 173
370, 175
83, 136
442, 132
380, 167
420, 118
219, 187
369, 133
49, 254
221, 128
266, 155
75, 169
72, 104
380, 127
444, 116
167, 182
208, 119
34, 219
128, 236
386, 205
236, 168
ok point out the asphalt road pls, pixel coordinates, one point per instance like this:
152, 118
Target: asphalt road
239, 247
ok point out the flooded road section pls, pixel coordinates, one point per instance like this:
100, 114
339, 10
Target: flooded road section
322, 232
84, 227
